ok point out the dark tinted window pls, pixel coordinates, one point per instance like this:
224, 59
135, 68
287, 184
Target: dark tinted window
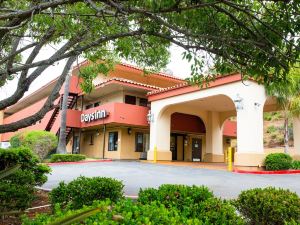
112, 141
143, 102
139, 142
130, 99
89, 106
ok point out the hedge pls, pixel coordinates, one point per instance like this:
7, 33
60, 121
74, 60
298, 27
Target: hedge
129, 212
84, 190
269, 206
185, 198
66, 157
39, 141
278, 161
296, 165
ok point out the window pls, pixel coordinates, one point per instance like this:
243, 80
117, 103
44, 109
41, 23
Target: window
143, 102
113, 141
96, 104
130, 99
89, 106
139, 142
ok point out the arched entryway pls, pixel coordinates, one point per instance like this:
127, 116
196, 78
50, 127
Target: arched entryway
186, 140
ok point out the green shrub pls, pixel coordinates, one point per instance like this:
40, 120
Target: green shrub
296, 165
269, 206
128, 212
84, 190
39, 141
185, 198
193, 202
271, 129
17, 189
278, 161
66, 157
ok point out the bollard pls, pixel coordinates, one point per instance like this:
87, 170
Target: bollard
229, 159
155, 154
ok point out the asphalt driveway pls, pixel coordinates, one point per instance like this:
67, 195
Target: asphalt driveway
136, 175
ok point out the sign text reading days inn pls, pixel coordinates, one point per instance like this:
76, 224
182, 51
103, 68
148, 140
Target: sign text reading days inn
89, 117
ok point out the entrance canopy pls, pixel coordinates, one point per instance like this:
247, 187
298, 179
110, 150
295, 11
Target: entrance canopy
225, 97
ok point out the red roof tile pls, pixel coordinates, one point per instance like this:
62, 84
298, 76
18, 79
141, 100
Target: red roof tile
123, 80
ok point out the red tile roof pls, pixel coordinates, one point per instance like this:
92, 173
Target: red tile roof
126, 81
136, 68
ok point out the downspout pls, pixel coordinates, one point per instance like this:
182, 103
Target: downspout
103, 147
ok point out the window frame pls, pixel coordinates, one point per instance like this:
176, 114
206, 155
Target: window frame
115, 141
137, 148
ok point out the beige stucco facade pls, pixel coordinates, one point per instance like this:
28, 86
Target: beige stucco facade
214, 106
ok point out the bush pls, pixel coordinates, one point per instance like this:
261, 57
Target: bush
40, 142
84, 190
128, 212
278, 161
269, 206
271, 129
180, 196
17, 189
66, 157
296, 165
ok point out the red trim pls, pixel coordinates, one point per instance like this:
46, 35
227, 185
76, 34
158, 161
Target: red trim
268, 172
79, 162
184, 88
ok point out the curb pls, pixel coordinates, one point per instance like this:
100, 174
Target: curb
268, 172
79, 162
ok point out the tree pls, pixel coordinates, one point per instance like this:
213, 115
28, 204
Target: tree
257, 38
61, 147
287, 95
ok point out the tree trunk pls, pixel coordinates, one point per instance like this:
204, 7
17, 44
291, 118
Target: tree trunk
61, 148
286, 135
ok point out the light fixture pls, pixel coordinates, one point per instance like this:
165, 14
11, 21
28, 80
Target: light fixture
239, 102
97, 132
129, 131
185, 141
256, 105
150, 117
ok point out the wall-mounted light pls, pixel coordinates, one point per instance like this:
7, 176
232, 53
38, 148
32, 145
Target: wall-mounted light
238, 101
256, 105
129, 131
97, 132
150, 117
185, 141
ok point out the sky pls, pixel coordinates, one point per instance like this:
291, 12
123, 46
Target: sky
178, 66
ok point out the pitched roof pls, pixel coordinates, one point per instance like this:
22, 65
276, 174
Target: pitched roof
136, 68
126, 81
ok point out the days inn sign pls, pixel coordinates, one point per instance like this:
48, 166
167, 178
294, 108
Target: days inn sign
98, 114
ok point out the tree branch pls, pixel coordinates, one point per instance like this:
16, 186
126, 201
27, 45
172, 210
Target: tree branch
49, 104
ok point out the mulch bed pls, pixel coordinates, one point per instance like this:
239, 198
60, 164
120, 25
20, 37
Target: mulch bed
41, 200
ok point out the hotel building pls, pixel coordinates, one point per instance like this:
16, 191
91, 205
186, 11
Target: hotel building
129, 115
